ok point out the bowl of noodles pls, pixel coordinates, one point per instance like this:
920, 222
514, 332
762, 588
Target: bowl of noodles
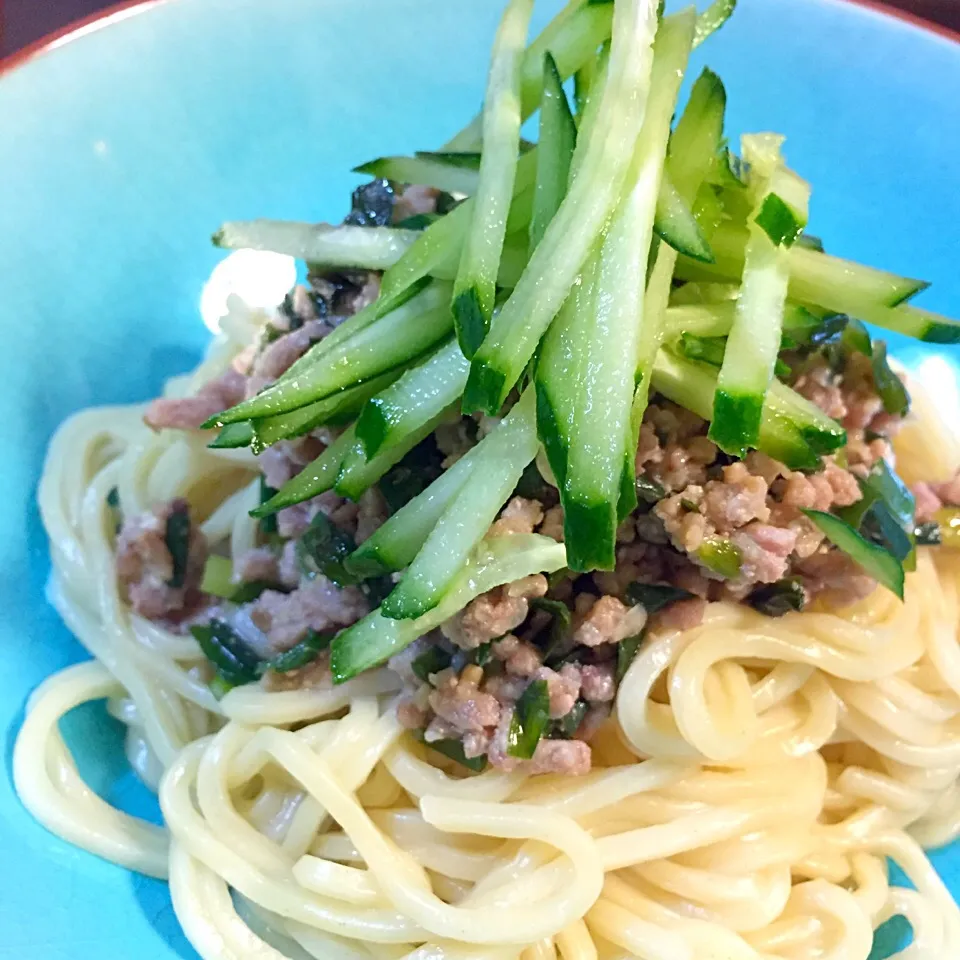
554, 551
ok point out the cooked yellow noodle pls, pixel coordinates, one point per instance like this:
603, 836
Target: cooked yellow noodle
742, 806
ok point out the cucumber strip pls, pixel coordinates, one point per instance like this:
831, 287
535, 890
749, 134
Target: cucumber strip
600, 451
595, 190
376, 638
712, 19
334, 409
444, 239
692, 385
419, 395
821, 433
474, 290
358, 473
400, 539
572, 38
692, 153
675, 224
504, 455
698, 135
558, 138
910, 321
754, 339
815, 277
559, 369
425, 170
876, 560
232, 436
395, 340
700, 319
362, 248
716, 319
315, 478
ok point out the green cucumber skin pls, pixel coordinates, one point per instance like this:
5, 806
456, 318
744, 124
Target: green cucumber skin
693, 385
550, 434
470, 321
485, 386
357, 473
590, 532
233, 436
734, 417
406, 606
945, 333
336, 409
421, 393
677, 226
373, 426
474, 290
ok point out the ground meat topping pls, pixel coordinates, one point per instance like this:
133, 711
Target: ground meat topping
319, 604
187, 413
146, 567
518, 516
603, 623
494, 614
460, 702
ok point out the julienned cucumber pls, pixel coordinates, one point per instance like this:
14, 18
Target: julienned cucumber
419, 395
335, 409
815, 277
600, 442
595, 190
316, 478
754, 340
443, 241
393, 341
368, 248
500, 460
716, 319
399, 540
692, 153
474, 289
675, 224
559, 369
558, 138
692, 385
426, 170
572, 38
376, 638
358, 472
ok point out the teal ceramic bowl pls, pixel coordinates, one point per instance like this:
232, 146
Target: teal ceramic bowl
124, 144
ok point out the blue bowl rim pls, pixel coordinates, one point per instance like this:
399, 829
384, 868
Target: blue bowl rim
127, 8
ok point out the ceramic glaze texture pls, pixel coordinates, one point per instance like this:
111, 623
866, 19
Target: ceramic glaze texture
121, 150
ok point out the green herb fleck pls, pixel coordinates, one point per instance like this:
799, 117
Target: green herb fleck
721, 556
322, 550
780, 598
303, 653
529, 722
177, 539
432, 660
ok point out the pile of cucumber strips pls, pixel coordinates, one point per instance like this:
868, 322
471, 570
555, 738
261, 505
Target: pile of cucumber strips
621, 255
